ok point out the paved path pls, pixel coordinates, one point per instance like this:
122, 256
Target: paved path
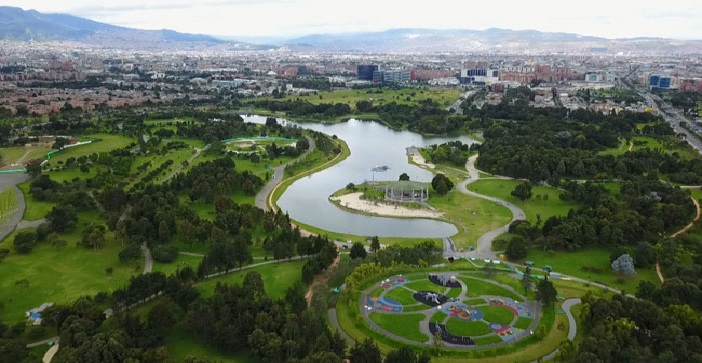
148, 260
334, 321
572, 325
277, 177
49, 355
30, 224
484, 245
180, 167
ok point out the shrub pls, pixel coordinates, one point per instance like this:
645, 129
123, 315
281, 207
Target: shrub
164, 253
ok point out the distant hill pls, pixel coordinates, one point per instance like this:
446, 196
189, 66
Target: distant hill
26, 25
493, 39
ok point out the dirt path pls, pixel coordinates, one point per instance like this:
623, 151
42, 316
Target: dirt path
631, 145
319, 279
683, 230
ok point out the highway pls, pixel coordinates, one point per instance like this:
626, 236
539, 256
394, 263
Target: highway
673, 117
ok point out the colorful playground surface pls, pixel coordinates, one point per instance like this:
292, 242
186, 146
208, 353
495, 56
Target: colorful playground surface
461, 320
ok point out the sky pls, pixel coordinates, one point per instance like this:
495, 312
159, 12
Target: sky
679, 19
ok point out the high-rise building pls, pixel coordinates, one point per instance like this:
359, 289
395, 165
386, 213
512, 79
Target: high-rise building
365, 71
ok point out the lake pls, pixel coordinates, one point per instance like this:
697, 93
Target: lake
372, 144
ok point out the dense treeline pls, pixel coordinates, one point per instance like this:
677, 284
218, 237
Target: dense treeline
302, 108
454, 152
210, 179
625, 329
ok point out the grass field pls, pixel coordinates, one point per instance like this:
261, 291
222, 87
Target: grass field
490, 339
453, 292
621, 149
403, 296
523, 322
438, 316
464, 328
571, 263
277, 277
424, 285
497, 314
180, 262
68, 175
8, 203
554, 206
59, 275
18, 155
479, 288
472, 216
35, 209
443, 97
109, 142
404, 325
475, 301
181, 344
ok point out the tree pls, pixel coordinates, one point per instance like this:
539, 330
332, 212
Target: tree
24, 241
441, 184
404, 176
375, 244
404, 354
546, 292
351, 187
163, 315
526, 280
358, 250
62, 218
624, 265
516, 248
130, 252
365, 352
522, 191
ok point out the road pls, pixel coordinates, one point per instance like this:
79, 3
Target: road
10, 181
277, 178
673, 117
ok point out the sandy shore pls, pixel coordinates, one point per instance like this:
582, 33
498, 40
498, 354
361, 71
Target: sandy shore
354, 201
419, 160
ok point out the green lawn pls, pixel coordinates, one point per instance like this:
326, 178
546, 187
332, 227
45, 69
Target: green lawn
616, 151
477, 301
554, 206
181, 344
464, 328
572, 263
424, 285
444, 97
490, 339
455, 292
523, 322
438, 317
277, 277
68, 175
479, 288
109, 142
497, 314
472, 216
12, 155
35, 209
404, 325
8, 203
403, 296
646, 143
59, 275
180, 262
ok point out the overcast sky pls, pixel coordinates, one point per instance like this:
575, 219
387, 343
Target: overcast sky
680, 19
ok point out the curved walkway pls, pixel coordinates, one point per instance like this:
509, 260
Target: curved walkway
277, 178
484, 245
572, 326
148, 260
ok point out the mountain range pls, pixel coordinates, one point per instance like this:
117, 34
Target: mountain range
31, 25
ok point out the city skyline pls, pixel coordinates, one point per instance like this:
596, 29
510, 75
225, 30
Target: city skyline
290, 18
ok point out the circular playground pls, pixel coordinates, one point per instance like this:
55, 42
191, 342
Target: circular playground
464, 310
